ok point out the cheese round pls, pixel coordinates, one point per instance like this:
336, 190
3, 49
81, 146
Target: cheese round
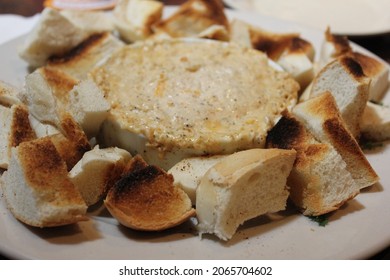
177, 98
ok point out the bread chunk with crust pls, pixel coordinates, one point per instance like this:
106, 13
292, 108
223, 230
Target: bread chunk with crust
240, 187
319, 181
97, 171
320, 115
351, 91
37, 189
146, 199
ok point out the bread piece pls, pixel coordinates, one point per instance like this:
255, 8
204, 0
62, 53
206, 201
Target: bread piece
72, 142
81, 59
8, 95
322, 118
377, 71
88, 106
91, 21
319, 181
147, 200
240, 187
54, 34
192, 18
15, 129
97, 172
350, 91
134, 18
188, 172
375, 124
37, 189
333, 47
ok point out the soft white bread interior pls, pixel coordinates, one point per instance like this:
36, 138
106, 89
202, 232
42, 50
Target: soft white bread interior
91, 21
134, 18
91, 52
37, 189
188, 172
192, 18
55, 34
42, 129
97, 171
8, 95
319, 181
350, 91
146, 199
375, 124
15, 129
88, 106
240, 187
320, 115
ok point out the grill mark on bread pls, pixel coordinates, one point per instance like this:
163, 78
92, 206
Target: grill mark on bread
78, 52
285, 134
369, 65
353, 66
134, 180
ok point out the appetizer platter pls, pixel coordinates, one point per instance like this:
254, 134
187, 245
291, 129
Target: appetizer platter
101, 224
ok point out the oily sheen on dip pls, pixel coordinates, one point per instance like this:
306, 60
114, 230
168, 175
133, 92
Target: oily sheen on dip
176, 98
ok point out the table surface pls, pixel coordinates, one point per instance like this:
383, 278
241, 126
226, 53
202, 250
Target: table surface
378, 44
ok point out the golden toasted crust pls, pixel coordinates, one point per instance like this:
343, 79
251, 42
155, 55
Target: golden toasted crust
60, 83
193, 17
146, 199
72, 143
21, 130
45, 172
370, 65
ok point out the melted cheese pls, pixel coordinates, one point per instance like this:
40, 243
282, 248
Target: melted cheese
205, 97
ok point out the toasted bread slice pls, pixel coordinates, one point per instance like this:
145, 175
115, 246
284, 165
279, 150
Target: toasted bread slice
188, 172
319, 181
82, 58
146, 199
215, 32
97, 172
9, 95
37, 189
134, 18
55, 34
375, 125
350, 92
15, 129
240, 187
192, 18
320, 115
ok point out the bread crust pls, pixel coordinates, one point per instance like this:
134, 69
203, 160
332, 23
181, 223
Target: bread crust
146, 199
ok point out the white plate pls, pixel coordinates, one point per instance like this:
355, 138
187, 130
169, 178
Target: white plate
348, 17
358, 230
